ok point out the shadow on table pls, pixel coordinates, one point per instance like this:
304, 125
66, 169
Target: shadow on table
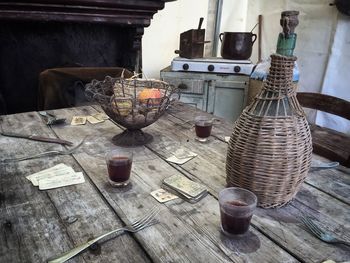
247, 243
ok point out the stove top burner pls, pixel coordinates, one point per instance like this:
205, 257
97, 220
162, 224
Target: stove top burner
213, 60
213, 65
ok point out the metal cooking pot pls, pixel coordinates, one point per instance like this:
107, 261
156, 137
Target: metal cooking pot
343, 6
237, 45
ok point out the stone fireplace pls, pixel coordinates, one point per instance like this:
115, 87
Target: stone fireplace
42, 34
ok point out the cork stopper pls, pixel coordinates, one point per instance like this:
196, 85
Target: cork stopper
289, 21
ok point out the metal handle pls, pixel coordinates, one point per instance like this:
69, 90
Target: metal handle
216, 121
52, 140
220, 36
67, 255
200, 23
254, 36
201, 42
182, 86
344, 242
31, 157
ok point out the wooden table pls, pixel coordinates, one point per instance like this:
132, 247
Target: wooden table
36, 225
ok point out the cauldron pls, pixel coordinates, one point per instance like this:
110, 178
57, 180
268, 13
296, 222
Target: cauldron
237, 45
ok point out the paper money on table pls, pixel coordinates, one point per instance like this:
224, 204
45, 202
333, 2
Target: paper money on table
66, 172
33, 177
61, 180
56, 176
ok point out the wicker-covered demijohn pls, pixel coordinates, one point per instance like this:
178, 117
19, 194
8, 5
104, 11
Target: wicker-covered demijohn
270, 148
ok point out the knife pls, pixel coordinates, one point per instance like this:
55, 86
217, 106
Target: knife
37, 138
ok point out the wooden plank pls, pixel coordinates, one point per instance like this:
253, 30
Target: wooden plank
136, 13
186, 113
189, 232
331, 144
280, 225
340, 181
334, 182
211, 160
338, 186
328, 142
30, 227
38, 224
285, 227
129, 201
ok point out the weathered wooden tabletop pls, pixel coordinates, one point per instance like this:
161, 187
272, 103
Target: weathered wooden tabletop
36, 225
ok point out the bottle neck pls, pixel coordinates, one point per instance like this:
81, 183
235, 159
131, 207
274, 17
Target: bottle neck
286, 44
280, 75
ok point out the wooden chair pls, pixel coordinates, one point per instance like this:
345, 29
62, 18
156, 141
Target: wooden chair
326, 142
64, 87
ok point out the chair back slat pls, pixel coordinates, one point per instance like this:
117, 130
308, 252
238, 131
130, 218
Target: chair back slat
325, 103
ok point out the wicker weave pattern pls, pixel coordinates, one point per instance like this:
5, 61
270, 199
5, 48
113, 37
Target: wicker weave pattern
270, 148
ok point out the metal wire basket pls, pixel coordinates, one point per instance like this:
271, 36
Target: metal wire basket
133, 103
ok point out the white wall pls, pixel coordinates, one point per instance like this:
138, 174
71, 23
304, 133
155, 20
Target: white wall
234, 17
162, 37
323, 47
322, 44
336, 80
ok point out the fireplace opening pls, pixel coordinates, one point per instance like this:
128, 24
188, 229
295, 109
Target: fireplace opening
36, 36
27, 49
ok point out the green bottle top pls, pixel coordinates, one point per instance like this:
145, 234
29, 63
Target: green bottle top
286, 44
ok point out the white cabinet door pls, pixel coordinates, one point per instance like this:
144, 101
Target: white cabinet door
226, 98
223, 95
194, 100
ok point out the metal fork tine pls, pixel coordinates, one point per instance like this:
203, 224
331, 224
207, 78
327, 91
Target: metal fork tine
320, 233
150, 223
77, 146
312, 227
145, 221
55, 121
146, 218
54, 152
305, 221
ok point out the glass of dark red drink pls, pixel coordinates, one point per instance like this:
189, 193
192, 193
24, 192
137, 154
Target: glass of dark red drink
119, 164
203, 126
236, 209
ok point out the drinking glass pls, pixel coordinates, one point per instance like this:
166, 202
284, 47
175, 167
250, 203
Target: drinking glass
119, 162
236, 209
203, 126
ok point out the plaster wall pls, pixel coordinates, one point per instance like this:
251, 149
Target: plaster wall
323, 43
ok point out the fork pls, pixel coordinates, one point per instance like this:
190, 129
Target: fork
51, 153
316, 164
51, 119
320, 233
145, 221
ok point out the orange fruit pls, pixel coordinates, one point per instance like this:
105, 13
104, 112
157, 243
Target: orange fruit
150, 95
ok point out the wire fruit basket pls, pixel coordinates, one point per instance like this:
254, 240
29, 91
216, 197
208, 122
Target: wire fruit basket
134, 103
